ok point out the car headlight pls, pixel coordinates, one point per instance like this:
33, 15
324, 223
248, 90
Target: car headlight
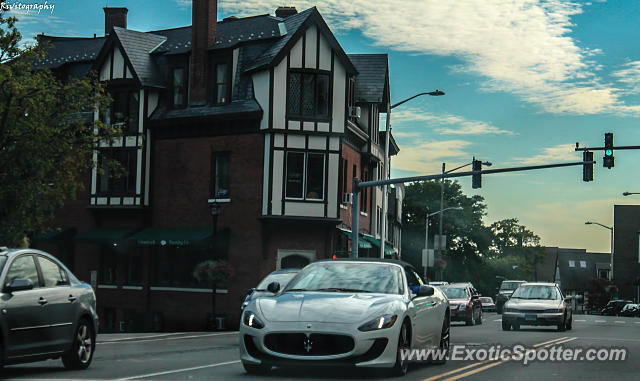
462, 307
251, 320
553, 310
384, 321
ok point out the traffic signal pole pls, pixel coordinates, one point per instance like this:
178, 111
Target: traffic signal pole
358, 186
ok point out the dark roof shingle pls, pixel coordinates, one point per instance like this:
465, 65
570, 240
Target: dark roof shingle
372, 77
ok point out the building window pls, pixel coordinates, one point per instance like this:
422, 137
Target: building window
117, 171
305, 176
125, 109
134, 268
222, 80
108, 267
182, 273
572, 263
604, 274
308, 95
583, 264
345, 176
178, 87
220, 174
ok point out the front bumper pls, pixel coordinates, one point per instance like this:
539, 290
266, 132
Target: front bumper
532, 318
460, 315
371, 349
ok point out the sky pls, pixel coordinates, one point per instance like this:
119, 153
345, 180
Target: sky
524, 80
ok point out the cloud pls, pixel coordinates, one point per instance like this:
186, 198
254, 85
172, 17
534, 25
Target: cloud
427, 157
448, 124
630, 76
559, 153
520, 47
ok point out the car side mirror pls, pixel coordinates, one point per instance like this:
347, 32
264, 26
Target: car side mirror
19, 284
475, 296
425, 290
273, 287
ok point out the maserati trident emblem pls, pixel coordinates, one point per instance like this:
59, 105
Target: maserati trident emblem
308, 344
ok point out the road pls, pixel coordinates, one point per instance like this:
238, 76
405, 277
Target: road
214, 356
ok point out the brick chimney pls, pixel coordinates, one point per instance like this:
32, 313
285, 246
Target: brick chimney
204, 16
114, 16
284, 12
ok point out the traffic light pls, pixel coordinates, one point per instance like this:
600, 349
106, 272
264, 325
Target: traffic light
608, 161
587, 166
476, 179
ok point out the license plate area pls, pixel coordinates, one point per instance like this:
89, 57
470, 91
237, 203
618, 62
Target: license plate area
530, 317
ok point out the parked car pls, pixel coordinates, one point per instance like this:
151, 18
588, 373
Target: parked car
630, 310
345, 312
507, 287
465, 303
47, 312
614, 307
538, 304
281, 276
487, 304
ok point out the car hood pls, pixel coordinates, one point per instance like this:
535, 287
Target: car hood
327, 307
533, 304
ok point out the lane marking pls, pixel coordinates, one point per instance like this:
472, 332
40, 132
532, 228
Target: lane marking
619, 321
168, 338
601, 321
176, 371
580, 320
637, 322
550, 341
143, 337
498, 320
474, 371
456, 370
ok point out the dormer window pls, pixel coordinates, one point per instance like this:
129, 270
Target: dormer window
178, 87
308, 95
222, 83
124, 110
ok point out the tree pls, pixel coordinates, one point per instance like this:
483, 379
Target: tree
468, 237
47, 135
512, 240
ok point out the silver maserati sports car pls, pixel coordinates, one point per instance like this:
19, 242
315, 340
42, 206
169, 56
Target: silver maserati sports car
361, 313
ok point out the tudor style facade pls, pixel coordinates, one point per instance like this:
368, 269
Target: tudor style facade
255, 115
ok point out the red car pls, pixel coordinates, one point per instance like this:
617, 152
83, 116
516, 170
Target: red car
465, 303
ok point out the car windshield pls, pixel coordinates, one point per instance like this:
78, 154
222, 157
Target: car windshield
486, 300
282, 278
3, 260
509, 285
536, 292
455, 293
349, 277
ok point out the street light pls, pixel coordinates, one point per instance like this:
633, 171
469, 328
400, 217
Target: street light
629, 193
487, 163
215, 211
611, 230
426, 235
383, 225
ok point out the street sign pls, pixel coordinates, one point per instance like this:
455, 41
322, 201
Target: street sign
438, 243
427, 259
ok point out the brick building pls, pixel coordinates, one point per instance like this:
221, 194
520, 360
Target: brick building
626, 251
265, 118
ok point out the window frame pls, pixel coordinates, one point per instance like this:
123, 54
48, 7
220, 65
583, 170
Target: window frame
215, 83
61, 270
213, 192
315, 116
116, 92
305, 176
185, 87
40, 283
112, 189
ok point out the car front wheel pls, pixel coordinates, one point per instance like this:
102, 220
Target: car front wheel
444, 342
402, 366
84, 344
256, 368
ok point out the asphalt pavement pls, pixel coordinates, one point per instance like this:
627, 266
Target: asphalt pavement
214, 356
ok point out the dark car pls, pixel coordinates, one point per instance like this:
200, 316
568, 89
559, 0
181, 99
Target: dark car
281, 276
47, 312
504, 293
464, 302
614, 307
487, 304
630, 310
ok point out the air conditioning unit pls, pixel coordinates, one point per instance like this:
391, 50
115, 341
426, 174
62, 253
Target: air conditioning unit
355, 111
347, 198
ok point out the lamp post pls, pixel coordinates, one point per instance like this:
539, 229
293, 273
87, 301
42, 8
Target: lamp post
383, 225
426, 235
487, 163
215, 211
629, 193
611, 230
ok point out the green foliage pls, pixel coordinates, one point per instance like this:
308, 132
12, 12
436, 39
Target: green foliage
47, 136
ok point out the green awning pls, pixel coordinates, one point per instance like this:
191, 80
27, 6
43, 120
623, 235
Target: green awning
177, 236
362, 243
388, 249
56, 235
105, 236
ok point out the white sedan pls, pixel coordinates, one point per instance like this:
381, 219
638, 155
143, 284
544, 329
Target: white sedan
360, 313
